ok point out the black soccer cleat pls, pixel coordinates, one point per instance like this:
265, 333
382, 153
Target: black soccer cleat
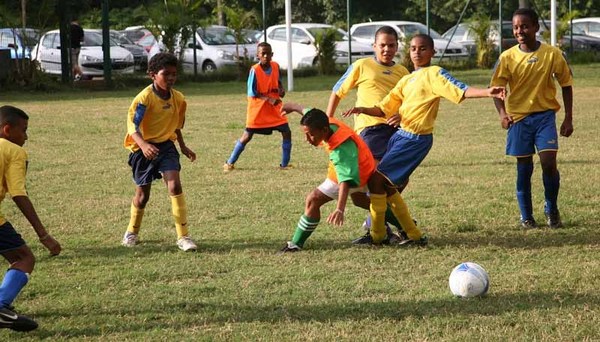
422, 242
553, 220
11, 320
289, 248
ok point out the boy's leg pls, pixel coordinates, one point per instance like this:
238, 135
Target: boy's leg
378, 207
21, 262
179, 210
138, 204
524, 172
551, 180
286, 148
239, 147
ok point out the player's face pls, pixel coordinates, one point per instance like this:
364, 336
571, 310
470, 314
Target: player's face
524, 29
385, 47
264, 55
314, 136
17, 134
421, 52
165, 78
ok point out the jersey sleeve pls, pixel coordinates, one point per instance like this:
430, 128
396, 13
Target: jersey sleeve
345, 161
347, 82
252, 89
562, 72
392, 101
500, 77
15, 174
448, 87
136, 113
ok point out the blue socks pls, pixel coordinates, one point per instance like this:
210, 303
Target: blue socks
524, 172
14, 281
551, 187
286, 147
235, 154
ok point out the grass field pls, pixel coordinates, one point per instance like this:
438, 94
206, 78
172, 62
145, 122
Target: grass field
544, 283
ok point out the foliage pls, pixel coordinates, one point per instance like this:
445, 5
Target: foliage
325, 44
239, 19
480, 24
404, 52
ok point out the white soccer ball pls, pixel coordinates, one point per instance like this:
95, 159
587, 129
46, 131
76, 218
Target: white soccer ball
469, 280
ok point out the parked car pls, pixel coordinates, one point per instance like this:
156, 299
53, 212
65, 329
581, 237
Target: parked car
365, 32
140, 56
215, 49
140, 36
587, 26
466, 37
581, 42
304, 51
19, 41
91, 57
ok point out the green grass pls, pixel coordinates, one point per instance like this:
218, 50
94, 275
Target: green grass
544, 283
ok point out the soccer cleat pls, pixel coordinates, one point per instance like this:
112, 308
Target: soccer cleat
528, 224
553, 220
287, 167
130, 239
228, 167
186, 244
11, 320
422, 242
367, 239
290, 247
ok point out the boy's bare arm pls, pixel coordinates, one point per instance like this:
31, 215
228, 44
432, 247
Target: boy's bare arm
496, 92
150, 151
372, 111
566, 128
337, 217
26, 207
505, 119
186, 151
332, 105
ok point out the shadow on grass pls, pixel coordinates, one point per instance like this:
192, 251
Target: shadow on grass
189, 314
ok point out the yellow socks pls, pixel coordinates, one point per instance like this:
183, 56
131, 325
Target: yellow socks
135, 220
179, 210
400, 210
378, 208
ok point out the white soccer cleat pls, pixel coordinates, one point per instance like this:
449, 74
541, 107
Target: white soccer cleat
186, 244
130, 239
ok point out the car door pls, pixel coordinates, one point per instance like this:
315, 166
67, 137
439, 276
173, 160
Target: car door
49, 53
277, 39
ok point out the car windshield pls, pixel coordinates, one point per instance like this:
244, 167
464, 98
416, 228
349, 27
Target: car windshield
95, 39
120, 38
414, 29
216, 36
339, 35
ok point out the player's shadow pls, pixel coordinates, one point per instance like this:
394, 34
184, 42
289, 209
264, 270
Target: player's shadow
196, 312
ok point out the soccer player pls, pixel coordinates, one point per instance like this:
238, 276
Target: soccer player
13, 167
373, 78
531, 69
416, 97
154, 122
350, 166
263, 115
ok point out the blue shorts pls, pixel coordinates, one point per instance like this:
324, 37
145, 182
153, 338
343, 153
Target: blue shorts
9, 238
284, 128
405, 152
535, 131
377, 137
146, 171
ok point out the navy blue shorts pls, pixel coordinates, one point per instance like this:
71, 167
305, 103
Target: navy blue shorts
405, 152
9, 238
377, 137
285, 128
535, 131
146, 171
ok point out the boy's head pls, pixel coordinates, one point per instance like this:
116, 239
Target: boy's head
421, 50
13, 124
162, 68
526, 24
315, 125
386, 45
264, 52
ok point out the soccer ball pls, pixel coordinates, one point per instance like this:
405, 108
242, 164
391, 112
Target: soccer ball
469, 280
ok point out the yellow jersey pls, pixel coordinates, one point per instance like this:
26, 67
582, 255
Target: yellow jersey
530, 77
13, 167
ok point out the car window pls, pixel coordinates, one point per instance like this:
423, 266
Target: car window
298, 35
278, 34
216, 36
315, 31
367, 32
95, 39
6, 37
414, 29
594, 29
48, 41
148, 40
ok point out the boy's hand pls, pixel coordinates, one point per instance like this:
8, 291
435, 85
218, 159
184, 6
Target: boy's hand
506, 121
51, 244
351, 111
150, 151
336, 218
497, 92
191, 155
394, 120
281, 92
566, 129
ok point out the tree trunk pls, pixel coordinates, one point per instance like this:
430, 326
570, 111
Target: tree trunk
524, 4
23, 12
220, 18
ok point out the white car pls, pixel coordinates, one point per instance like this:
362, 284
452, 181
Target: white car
304, 51
215, 49
466, 37
587, 26
365, 32
91, 57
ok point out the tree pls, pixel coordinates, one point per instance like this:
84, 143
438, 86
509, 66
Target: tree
239, 19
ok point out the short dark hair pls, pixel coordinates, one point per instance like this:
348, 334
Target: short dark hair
263, 44
426, 37
386, 30
315, 118
160, 61
528, 12
10, 115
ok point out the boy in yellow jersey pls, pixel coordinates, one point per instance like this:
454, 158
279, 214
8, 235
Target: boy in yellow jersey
13, 167
529, 113
416, 97
373, 78
154, 122
263, 115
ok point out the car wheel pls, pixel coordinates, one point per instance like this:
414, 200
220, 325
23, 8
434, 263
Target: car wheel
209, 66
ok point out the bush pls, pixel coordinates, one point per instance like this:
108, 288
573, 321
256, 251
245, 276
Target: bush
325, 43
